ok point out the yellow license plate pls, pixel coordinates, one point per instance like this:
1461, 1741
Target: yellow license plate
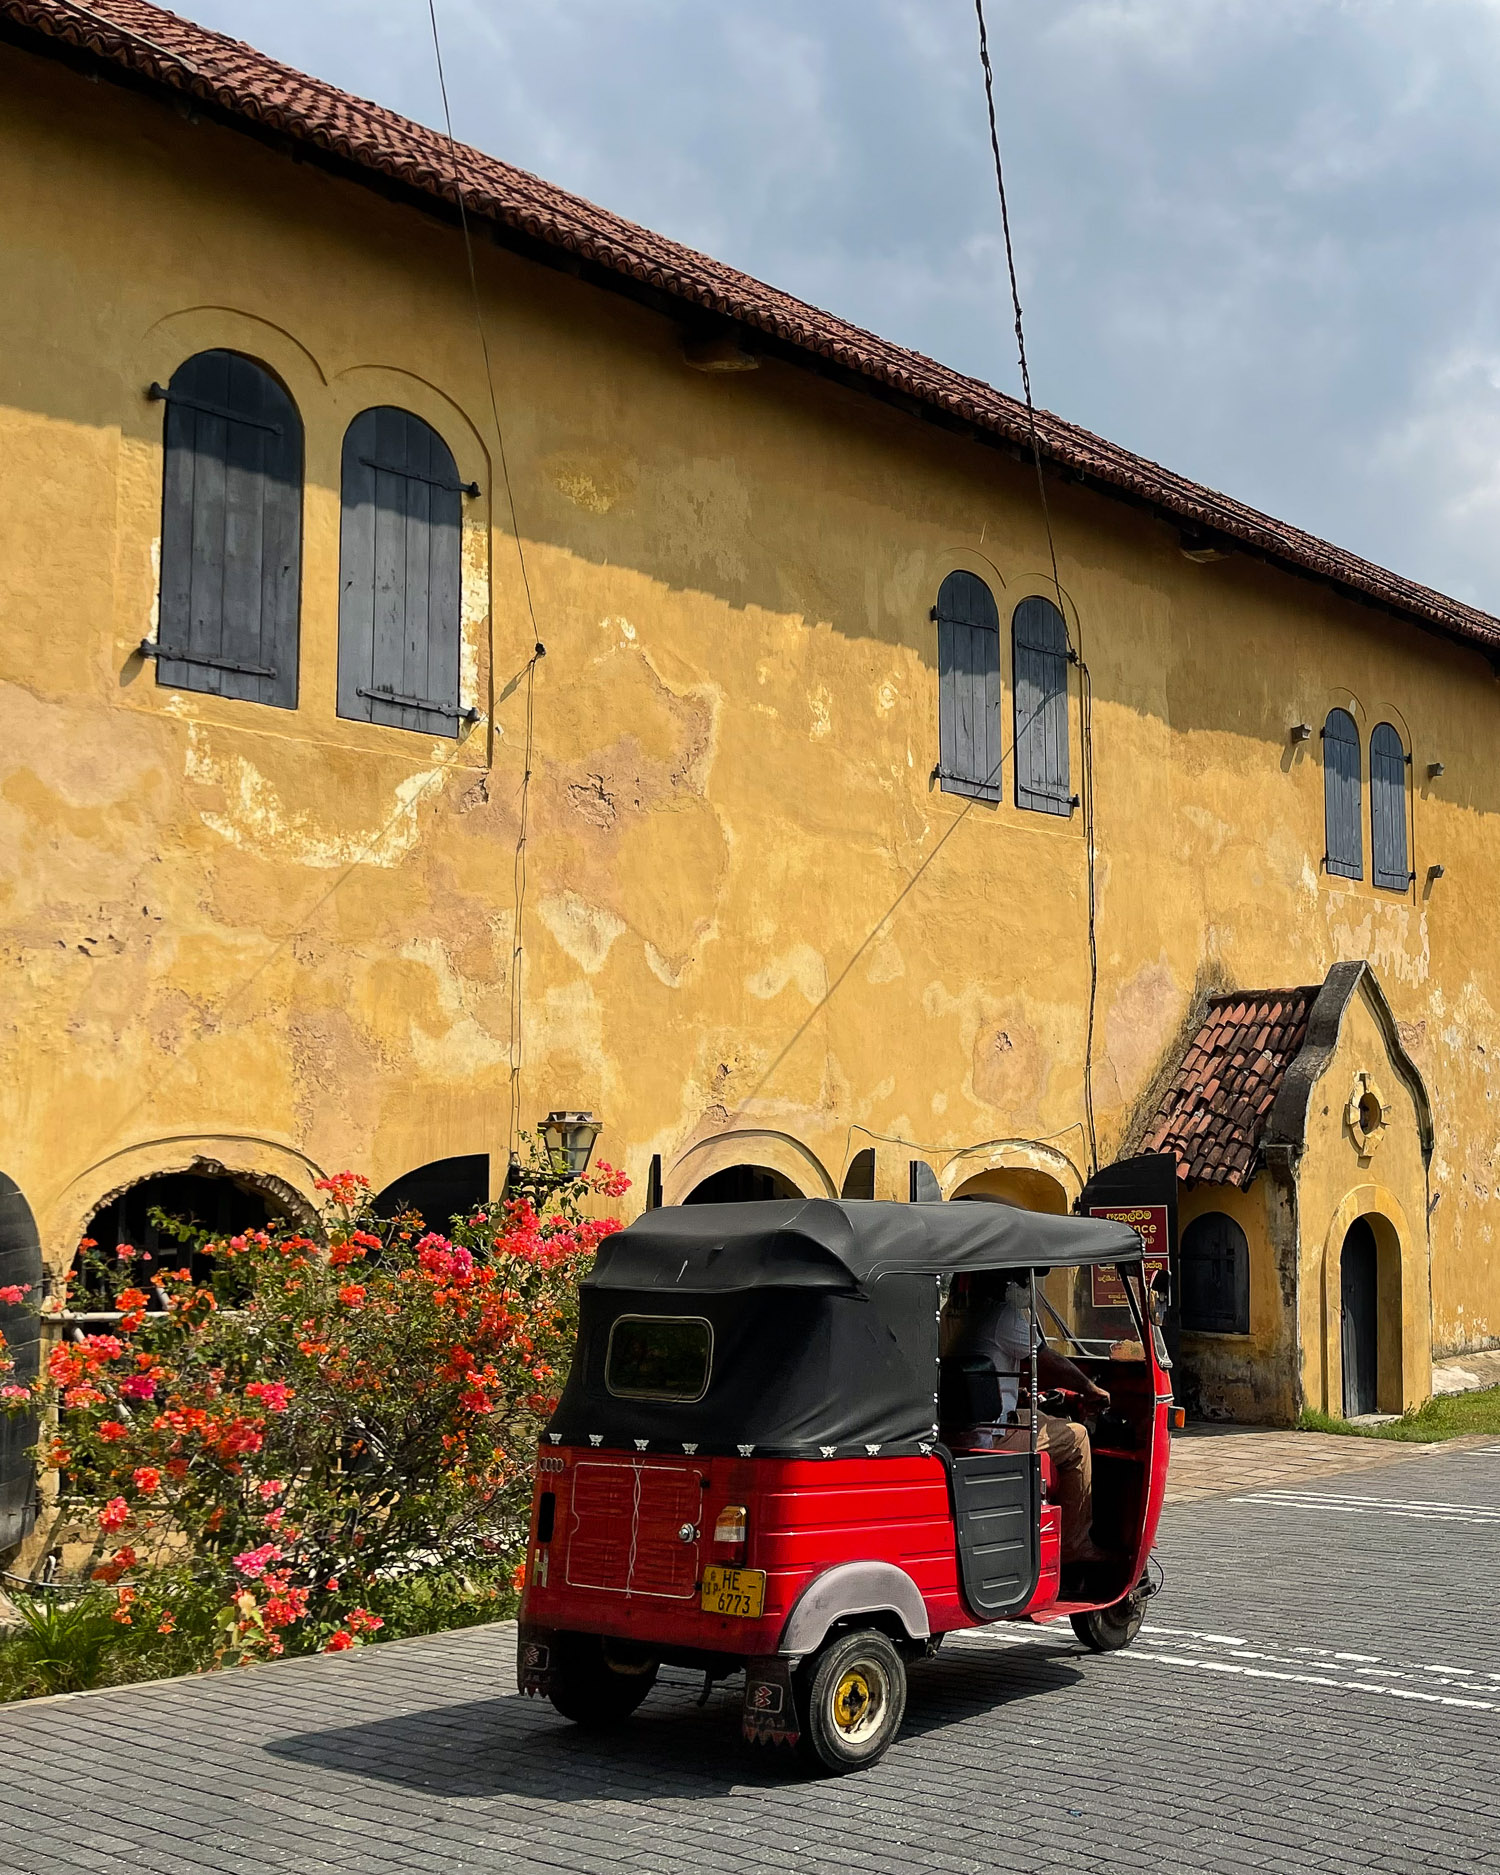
739, 1592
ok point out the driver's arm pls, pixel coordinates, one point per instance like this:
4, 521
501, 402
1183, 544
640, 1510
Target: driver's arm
1056, 1370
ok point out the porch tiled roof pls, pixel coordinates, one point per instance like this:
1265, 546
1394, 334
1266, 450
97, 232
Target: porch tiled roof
1215, 1112
308, 116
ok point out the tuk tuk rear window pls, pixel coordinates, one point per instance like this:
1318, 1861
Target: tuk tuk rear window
659, 1357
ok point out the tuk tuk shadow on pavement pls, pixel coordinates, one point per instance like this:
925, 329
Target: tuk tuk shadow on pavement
518, 1747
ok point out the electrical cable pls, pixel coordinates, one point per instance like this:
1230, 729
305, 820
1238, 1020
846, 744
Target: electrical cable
1086, 690
539, 650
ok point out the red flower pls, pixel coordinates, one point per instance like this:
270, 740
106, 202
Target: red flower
352, 1295
146, 1479
339, 1642
14, 1292
115, 1514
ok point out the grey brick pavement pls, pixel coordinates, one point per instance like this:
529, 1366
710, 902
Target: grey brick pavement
1318, 1689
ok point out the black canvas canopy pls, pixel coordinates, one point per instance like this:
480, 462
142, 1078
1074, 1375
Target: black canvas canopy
823, 1315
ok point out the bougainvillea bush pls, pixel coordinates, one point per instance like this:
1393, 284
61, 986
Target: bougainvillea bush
318, 1440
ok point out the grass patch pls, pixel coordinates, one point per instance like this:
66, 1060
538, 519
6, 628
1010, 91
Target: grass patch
1448, 1417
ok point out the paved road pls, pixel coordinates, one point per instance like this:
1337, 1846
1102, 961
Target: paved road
1318, 1689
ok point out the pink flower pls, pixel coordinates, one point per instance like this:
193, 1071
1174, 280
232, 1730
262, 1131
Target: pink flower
15, 1292
115, 1514
14, 1393
272, 1394
254, 1562
138, 1387
269, 1488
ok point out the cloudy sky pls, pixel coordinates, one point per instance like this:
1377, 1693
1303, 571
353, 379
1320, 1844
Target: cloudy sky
1259, 240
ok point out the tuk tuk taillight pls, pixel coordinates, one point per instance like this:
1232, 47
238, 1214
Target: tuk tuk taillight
732, 1525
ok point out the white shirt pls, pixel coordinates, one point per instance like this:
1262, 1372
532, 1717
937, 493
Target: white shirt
1005, 1339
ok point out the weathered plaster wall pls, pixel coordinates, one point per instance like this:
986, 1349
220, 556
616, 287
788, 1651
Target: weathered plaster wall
747, 909
1339, 1182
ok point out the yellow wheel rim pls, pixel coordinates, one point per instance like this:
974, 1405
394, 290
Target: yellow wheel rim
859, 1700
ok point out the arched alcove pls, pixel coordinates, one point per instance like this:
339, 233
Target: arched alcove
1023, 1186
743, 1184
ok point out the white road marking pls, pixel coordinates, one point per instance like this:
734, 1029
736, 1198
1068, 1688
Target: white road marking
1419, 1510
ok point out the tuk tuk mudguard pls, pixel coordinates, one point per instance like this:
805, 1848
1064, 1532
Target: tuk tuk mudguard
856, 1588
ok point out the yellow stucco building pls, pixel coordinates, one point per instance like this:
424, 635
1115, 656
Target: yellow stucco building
821, 843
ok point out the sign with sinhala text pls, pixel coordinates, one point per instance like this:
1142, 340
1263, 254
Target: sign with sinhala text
1149, 1222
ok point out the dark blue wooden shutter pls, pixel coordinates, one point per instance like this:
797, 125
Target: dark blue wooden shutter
1341, 816
1039, 641
969, 755
1215, 1276
21, 1264
231, 532
399, 555
1388, 808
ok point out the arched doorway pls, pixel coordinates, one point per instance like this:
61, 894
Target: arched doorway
20, 1268
217, 1202
742, 1184
1359, 1319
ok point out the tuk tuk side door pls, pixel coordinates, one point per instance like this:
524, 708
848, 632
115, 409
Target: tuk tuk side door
997, 1500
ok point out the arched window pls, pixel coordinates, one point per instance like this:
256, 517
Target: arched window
1388, 808
1039, 644
1344, 846
231, 532
968, 688
399, 575
1215, 1276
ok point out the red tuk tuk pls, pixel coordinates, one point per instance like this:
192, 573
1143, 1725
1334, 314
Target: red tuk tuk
752, 1468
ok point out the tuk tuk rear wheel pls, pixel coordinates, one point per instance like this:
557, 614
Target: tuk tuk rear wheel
1107, 1630
852, 1700
594, 1687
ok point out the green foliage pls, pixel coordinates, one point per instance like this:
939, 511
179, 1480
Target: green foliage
1449, 1416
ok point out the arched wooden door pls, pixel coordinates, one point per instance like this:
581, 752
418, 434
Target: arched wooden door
20, 1264
1359, 1320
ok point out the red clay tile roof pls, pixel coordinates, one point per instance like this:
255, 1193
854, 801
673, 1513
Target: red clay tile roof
1215, 1112
244, 85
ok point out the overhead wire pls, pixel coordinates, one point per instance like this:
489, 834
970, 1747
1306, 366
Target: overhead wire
516, 1055
1085, 682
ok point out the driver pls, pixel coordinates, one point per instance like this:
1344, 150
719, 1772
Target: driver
992, 1322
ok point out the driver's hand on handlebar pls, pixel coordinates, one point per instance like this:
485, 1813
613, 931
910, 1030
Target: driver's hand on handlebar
1096, 1396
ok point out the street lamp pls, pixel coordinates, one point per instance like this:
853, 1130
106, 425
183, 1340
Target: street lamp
569, 1138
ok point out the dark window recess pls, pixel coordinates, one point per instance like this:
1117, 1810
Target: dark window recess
211, 1201
1039, 642
1344, 845
659, 1357
440, 1191
1215, 1276
742, 1184
399, 553
1388, 808
546, 1516
969, 755
231, 532
859, 1180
